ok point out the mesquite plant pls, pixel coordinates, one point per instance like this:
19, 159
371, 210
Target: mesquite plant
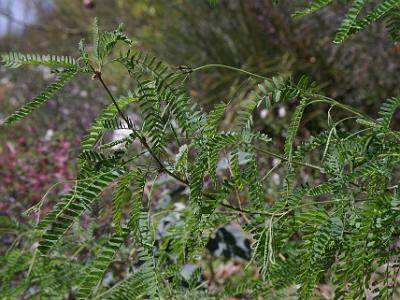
335, 221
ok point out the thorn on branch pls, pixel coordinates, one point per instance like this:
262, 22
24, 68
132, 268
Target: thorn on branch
185, 69
96, 74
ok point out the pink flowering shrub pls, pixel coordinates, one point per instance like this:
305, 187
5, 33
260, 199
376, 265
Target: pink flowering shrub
28, 171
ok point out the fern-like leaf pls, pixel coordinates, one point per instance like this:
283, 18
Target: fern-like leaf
245, 114
97, 128
108, 40
49, 92
151, 110
95, 37
282, 89
214, 146
168, 85
253, 178
344, 29
84, 194
292, 131
98, 266
131, 288
213, 119
383, 8
15, 60
387, 110
122, 194
392, 21
315, 5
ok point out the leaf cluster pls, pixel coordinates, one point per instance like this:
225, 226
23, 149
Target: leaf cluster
340, 226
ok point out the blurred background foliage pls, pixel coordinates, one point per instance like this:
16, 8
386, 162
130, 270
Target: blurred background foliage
256, 35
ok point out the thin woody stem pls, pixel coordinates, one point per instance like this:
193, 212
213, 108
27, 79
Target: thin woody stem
142, 139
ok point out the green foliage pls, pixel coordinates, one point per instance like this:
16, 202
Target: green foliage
15, 60
351, 24
386, 112
133, 287
151, 108
393, 24
84, 194
35, 103
338, 224
348, 22
97, 268
98, 127
168, 86
315, 6
281, 89
292, 131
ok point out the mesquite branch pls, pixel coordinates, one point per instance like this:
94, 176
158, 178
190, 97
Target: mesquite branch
161, 167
